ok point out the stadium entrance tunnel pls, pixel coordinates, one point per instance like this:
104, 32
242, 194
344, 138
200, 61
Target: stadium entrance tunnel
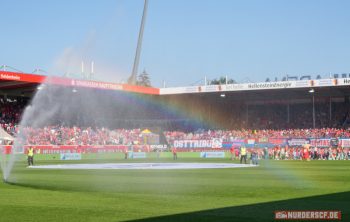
266, 211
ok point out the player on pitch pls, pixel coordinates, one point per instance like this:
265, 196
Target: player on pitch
175, 153
232, 150
126, 153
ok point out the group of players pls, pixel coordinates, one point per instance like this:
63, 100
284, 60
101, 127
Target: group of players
306, 152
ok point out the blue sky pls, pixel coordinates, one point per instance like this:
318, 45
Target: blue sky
183, 42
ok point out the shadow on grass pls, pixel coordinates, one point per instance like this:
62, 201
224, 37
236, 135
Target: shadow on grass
265, 211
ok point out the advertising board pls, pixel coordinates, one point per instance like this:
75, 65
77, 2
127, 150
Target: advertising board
137, 155
212, 154
70, 156
158, 146
193, 150
76, 82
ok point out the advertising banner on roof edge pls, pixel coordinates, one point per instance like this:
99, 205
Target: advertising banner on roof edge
76, 82
256, 86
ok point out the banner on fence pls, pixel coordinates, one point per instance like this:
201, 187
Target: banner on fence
237, 142
217, 143
250, 141
263, 140
334, 141
200, 145
78, 149
297, 142
278, 142
192, 143
320, 142
344, 142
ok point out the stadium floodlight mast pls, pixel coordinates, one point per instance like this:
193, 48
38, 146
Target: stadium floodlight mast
138, 49
313, 105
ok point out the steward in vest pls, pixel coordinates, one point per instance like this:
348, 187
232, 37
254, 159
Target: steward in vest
30, 155
243, 154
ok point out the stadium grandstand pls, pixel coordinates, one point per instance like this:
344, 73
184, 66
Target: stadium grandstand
276, 110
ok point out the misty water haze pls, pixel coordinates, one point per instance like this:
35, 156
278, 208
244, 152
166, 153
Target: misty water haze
57, 105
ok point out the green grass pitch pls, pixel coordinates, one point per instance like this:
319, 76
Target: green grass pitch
231, 194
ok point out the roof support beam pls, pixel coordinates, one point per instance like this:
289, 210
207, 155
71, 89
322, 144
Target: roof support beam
12, 83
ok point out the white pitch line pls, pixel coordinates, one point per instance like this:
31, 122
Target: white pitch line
144, 166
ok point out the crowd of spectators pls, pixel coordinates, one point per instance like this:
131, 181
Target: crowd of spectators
271, 121
59, 135
63, 135
231, 135
264, 121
